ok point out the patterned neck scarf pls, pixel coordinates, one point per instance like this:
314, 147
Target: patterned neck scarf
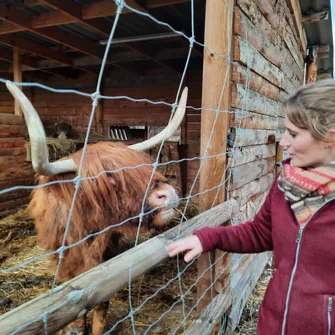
306, 190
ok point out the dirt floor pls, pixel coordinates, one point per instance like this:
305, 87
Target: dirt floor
18, 244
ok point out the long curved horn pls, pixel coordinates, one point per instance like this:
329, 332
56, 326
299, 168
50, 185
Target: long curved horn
38, 143
168, 130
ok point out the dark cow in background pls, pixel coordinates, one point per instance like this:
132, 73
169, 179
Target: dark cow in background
63, 130
101, 202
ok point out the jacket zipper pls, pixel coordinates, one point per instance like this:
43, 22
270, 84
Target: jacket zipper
299, 237
330, 309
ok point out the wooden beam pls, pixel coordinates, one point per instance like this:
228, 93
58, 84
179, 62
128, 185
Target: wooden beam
17, 77
315, 16
98, 284
74, 10
216, 95
31, 64
326, 75
323, 51
87, 12
294, 6
68, 12
38, 49
55, 34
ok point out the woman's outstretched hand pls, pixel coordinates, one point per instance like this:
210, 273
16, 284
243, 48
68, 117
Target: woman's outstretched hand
191, 243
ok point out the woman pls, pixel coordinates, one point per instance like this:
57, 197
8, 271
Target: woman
296, 221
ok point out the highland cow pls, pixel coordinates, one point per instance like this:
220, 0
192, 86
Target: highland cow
103, 199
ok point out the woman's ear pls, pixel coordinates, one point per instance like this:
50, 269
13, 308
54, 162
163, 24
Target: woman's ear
331, 142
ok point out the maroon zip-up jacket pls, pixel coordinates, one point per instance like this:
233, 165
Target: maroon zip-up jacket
299, 297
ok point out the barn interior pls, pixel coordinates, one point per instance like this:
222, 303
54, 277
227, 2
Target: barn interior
62, 44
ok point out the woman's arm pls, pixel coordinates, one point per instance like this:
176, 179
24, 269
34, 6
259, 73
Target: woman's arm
250, 237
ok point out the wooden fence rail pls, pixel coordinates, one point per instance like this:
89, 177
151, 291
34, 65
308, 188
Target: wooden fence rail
72, 299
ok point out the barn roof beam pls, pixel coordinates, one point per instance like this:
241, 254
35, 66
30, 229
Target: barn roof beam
81, 14
55, 34
75, 10
312, 17
38, 49
323, 51
325, 75
30, 64
119, 58
72, 12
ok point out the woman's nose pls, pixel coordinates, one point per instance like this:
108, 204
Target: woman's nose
284, 141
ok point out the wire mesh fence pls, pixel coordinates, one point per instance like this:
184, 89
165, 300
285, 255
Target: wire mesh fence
163, 300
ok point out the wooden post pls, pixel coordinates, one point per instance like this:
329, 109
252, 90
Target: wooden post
17, 76
216, 82
99, 118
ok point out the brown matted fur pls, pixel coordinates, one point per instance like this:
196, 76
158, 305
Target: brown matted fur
107, 200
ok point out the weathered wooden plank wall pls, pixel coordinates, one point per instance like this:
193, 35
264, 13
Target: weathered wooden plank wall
269, 65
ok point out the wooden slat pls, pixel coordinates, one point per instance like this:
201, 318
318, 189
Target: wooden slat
255, 37
268, 20
11, 119
250, 8
252, 101
12, 151
13, 203
12, 160
244, 137
250, 208
243, 194
255, 82
17, 181
252, 153
8, 173
7, 109
11, 143
315, 16
250, 120
246, 54
246, 173
12, 131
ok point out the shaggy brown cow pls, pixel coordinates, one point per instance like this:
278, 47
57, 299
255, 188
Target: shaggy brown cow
107, 200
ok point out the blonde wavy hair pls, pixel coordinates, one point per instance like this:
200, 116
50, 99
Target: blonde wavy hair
312, 107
